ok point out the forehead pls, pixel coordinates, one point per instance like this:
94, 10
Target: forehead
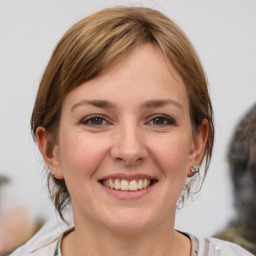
141, 75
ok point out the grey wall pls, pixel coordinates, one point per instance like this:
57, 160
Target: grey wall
224, 34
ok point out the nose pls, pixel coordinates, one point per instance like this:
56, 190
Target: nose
129, 145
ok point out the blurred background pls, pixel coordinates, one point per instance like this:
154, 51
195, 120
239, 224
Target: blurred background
224, 35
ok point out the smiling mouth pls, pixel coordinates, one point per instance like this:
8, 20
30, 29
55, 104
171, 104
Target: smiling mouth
128, 185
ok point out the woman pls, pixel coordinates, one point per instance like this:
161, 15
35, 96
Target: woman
122, 117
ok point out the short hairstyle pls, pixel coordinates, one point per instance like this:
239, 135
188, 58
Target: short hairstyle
96, 43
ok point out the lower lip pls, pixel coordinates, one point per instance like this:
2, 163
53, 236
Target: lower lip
128, 195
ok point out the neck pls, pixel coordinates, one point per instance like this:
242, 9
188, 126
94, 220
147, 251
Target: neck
160, 241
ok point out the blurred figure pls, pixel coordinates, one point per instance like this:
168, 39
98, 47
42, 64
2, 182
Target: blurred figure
16, 225
242, 164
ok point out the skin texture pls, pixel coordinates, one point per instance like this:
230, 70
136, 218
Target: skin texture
142, 128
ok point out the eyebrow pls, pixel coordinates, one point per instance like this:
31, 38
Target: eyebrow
161, 103
148, 104
96, 103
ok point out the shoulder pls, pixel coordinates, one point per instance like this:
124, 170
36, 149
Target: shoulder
43, 243
42, 250
213, 246
234, 234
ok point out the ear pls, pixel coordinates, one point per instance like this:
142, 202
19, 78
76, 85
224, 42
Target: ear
49, 152
198, 146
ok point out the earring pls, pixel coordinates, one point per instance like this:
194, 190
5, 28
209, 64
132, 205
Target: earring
52, 173
195, 168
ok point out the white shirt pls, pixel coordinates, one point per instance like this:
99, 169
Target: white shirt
45, 241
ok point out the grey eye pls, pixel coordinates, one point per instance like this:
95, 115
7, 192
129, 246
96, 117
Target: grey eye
94, 121
162, 120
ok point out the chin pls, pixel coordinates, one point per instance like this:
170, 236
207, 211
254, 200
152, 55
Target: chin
130, 222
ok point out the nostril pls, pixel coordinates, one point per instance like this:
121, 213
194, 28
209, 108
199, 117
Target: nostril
128, 158
127, 147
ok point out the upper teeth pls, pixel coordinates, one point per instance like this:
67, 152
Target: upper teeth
126, 185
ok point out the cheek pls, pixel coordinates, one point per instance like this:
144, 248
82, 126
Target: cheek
172, 158
172, 155
81, 155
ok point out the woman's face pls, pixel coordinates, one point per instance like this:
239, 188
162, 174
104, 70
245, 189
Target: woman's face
125, 144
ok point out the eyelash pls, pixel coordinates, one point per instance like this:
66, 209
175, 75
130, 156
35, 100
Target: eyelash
165, 120
90, 119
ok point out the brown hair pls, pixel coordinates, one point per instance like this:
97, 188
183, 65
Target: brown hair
97, 42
